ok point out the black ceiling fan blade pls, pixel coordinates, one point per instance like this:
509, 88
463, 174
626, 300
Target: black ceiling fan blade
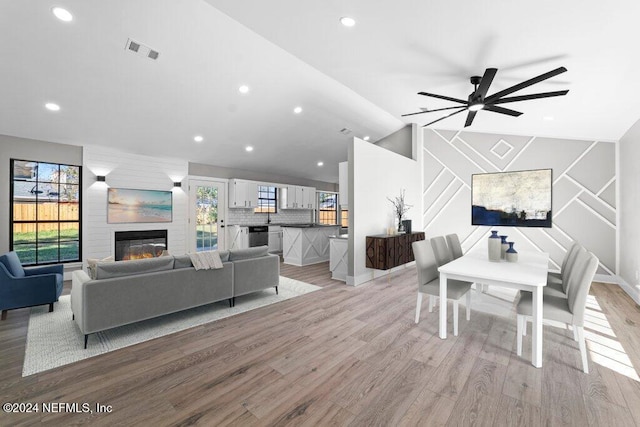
524, 84
448, 98
532, 96
461, 109
431, 111
485, 82
502, 110
470, 117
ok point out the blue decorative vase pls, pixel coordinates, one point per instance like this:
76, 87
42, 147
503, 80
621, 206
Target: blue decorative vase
503, 247
511, 254
494, 246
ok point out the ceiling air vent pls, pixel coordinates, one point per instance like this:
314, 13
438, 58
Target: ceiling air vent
142, 50
345, 131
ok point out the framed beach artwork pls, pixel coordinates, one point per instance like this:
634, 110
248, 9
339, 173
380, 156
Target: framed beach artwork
132, 206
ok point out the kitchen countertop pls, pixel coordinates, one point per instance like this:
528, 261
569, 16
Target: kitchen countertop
309, 225
340, 236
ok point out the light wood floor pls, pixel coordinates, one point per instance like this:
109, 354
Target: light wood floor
345, 356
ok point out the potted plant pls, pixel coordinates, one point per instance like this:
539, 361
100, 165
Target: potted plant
400, 207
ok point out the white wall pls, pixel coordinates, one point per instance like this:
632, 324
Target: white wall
584, 190
125, 170
629, 154
12, 147
376, 173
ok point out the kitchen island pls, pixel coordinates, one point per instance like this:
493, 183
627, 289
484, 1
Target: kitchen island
305, 244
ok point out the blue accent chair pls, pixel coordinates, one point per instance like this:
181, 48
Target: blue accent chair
25, 287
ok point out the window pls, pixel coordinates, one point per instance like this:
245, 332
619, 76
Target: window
45, 212
344, 218
327, 208
267, 200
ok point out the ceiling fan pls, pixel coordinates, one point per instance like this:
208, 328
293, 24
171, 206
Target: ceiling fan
478, 99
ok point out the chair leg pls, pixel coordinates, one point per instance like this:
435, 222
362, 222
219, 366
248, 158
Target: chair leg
478, 288
469, 305
575, 334
525, 325
50, 307
418, 305
276, 290
583, 348
86, 338
4, 314
432, 301
455, 318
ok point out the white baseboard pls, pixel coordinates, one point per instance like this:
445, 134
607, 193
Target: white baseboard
633, 291
606, 278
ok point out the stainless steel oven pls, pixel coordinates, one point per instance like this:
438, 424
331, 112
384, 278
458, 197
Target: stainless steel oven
258, 235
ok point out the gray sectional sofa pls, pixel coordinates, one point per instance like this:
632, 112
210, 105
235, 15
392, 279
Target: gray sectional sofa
125, 292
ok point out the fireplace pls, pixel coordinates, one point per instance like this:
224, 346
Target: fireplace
140, 244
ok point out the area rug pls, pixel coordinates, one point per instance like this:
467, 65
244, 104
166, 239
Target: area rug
54, 340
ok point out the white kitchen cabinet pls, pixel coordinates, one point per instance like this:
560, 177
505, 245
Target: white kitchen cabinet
275, 239
238, 237
299, 197
243, 194
308, 198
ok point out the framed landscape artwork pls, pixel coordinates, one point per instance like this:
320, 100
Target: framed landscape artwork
519, 198
135, 206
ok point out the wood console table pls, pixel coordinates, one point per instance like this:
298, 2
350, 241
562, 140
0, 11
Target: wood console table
388, 251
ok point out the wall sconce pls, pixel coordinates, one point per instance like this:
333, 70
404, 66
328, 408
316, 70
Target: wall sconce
101, 178
177, 184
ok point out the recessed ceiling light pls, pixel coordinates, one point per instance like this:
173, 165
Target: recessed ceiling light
62, 14
198, 138
347, 22
243, 89
548, 118
297, 110
320, 163
366, 138
51, 106
248, 148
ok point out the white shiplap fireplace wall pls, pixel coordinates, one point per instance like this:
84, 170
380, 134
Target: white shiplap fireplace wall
125, 170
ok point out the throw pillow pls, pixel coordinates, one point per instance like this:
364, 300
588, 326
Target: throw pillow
92, 262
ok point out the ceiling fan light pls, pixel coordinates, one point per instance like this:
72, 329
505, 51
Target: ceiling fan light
476, 107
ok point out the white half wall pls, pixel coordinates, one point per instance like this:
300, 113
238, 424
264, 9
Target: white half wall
584, 191
376, 173
126, 170
629, 206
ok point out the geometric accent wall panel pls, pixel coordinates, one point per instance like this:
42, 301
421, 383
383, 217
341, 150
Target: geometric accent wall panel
557, 154
489, 146
608, 195
584, 205
596, 168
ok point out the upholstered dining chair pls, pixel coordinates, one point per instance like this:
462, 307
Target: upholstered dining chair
555, 279
25, 287
429, 282
454, 245
570, 309
453, 242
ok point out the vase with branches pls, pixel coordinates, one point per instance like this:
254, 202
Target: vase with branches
400, 208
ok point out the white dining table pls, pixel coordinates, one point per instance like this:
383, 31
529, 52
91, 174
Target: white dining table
529, 273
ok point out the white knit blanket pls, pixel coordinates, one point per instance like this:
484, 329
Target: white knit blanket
206, 260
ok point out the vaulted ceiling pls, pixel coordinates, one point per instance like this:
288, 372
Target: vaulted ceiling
296, 53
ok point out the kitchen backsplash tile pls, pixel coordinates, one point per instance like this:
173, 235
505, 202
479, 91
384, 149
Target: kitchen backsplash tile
285, 216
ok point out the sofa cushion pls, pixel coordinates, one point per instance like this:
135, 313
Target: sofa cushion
12, 262
238, 254
138, 266
92, 262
